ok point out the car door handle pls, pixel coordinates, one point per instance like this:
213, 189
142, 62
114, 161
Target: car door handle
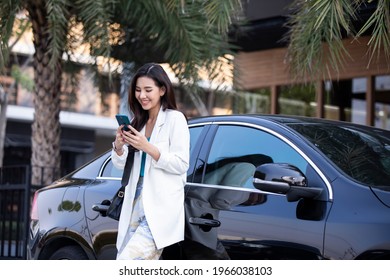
102, 207
204, 222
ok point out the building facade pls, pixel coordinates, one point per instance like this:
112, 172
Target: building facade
358, 93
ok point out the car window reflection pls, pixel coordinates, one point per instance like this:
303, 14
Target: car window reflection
237, 151
346, 147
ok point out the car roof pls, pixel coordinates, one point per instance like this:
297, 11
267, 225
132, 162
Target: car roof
281, 119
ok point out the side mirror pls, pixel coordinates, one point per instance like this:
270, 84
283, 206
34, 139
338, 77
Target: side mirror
283, 178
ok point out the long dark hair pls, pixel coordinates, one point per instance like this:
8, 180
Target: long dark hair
155, 72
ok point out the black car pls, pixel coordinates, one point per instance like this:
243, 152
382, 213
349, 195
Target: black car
259, 187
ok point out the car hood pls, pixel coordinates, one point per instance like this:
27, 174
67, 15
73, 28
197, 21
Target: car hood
382, 195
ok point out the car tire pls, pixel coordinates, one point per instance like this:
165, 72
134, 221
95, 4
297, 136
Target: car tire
69, 253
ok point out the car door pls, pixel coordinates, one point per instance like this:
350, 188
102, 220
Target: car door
103, 230
227, 218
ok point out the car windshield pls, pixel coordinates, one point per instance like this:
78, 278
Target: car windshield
362, 153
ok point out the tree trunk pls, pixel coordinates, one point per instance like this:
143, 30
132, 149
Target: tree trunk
46, 129
127, 75
197, 101
3, 121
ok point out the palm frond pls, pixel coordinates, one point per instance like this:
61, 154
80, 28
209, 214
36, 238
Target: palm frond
317, 26
191, 33
96, 17
8, 13
219, 13
58, 17
380, 37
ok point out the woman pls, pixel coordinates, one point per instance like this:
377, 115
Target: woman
152, 214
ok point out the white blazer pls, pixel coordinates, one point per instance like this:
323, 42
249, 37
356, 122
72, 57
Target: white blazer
164, 180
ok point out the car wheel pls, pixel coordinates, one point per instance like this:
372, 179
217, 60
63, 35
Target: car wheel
69, 253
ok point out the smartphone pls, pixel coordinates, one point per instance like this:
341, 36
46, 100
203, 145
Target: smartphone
123, 119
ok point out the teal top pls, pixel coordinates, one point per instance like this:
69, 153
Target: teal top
143, 159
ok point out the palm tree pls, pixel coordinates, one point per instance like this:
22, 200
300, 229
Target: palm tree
189, 34
315, 22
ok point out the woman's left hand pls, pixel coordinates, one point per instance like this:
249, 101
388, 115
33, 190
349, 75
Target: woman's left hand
135, 138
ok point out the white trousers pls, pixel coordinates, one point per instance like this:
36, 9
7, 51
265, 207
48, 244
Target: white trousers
139, 243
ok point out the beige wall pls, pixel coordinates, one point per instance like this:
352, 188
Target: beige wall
267, 68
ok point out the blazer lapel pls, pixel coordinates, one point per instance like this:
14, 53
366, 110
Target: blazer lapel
157, 127
156, 131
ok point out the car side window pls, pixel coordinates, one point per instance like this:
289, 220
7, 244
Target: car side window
110, 171
237, 151
194, 136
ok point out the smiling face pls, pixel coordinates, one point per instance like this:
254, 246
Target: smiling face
148, 94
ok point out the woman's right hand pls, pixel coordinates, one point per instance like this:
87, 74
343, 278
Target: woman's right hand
119, 141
